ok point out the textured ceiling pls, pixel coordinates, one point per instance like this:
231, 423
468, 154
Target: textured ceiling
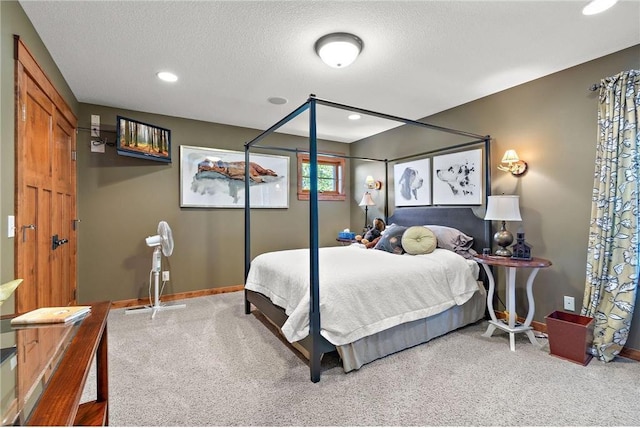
419, 57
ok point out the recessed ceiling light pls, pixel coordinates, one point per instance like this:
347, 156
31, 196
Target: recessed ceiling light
166, 76
277, 100
597, 6
354, 116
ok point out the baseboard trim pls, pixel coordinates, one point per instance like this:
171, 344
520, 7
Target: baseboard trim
537, 326
177, 296
630, 353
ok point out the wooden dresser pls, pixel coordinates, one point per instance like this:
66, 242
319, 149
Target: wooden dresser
45, 367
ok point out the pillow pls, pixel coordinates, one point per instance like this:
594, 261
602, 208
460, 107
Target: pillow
391, 240
389, 227
419, 240
452, 239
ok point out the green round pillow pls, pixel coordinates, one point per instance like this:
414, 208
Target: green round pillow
419, 240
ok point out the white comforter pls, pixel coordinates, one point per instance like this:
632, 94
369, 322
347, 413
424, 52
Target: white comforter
362, 292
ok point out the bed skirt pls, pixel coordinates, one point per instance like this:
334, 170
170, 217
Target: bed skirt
392, 340
355, 355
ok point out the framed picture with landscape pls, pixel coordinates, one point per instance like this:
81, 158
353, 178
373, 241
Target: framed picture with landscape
142, 140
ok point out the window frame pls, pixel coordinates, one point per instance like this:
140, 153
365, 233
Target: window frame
339, 164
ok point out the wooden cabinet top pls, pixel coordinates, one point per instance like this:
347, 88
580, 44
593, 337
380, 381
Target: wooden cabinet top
535, 262
59, 402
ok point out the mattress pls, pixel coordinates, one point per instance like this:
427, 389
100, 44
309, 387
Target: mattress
362, 292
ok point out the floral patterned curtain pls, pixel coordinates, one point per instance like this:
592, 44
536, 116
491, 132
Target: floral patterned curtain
612, 257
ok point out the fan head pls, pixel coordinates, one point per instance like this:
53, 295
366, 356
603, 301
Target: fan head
164, 238
167, 238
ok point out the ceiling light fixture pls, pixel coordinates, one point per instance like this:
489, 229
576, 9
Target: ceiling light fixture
277, 100
166, 76
338, 50
354, 116
597, 6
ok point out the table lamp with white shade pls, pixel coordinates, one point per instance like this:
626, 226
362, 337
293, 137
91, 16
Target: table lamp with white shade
366, 202
503, 208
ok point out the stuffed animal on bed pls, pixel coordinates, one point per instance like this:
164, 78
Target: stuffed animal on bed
372, 235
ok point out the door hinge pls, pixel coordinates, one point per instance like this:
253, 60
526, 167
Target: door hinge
24, 112
74, 155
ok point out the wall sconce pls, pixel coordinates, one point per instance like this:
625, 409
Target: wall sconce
371, 184
514, 165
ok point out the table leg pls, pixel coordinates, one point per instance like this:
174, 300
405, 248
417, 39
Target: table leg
492, 286
511, 304
532, 338
532, 306
102, 373
511, 296
489, 331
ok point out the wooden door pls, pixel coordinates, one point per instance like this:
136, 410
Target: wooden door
46, 238
45, 241
63, 258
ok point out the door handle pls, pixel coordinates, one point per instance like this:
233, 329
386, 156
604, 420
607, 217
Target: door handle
55, 242
24, 231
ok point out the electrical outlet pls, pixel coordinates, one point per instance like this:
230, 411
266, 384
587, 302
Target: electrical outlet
569, 303
165, 275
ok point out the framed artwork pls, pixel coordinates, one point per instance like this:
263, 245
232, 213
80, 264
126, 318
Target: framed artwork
214, 178
141, 140
457, 178
411, 182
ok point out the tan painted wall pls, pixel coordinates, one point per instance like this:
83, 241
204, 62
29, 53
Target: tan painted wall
551, 123
14, 21
122, 199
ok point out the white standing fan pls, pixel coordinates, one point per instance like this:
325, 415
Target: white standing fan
163, 244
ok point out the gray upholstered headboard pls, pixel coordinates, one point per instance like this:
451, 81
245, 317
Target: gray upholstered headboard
462, 218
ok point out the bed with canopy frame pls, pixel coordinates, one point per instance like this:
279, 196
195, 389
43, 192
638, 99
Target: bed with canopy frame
315, 345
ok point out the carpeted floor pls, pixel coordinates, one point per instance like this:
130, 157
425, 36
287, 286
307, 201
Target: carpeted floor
212, 365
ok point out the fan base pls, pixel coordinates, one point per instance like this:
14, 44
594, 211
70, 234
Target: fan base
154, 309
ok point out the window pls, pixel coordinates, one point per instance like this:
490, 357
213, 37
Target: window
330, 178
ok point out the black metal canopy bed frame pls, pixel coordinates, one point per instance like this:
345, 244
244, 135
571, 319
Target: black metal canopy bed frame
459, 217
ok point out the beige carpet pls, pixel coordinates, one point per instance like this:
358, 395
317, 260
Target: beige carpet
212, 365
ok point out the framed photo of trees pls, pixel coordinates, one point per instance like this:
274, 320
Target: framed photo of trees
142, 140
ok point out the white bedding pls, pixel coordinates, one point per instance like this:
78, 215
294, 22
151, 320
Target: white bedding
362, 292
